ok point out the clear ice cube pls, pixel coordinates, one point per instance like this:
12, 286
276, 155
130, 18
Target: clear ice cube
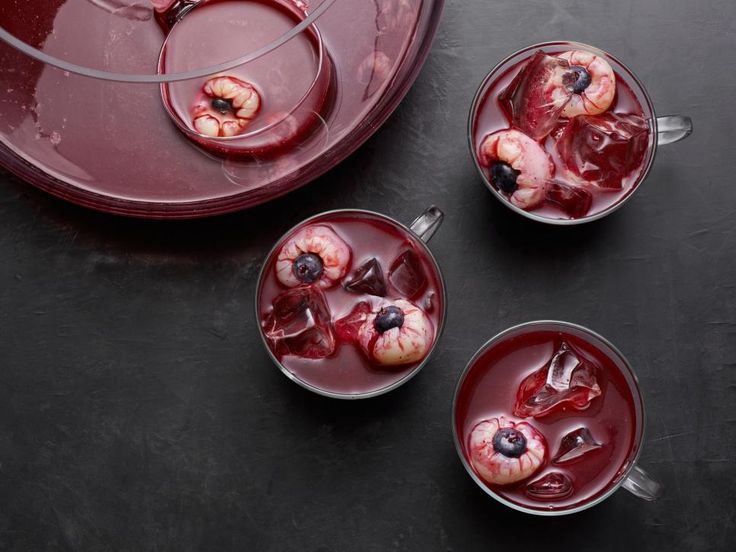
575, 201
603, 149
300, 324
575, 444
553, 486
566, 380
407, 274
368, 278
537, 95
347, 328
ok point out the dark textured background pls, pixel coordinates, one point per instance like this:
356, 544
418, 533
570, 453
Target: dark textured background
139, 411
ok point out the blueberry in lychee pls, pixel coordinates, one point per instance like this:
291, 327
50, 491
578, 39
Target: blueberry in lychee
509, 442
577, 79
388, 318
221, 105
504, 177
307, 267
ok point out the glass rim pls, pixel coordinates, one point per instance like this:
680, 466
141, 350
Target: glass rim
143, 78
633, 457
326, 392
652, 119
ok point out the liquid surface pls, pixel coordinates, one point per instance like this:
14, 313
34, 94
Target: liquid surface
115, 142
348, 371
492, 116
490, 389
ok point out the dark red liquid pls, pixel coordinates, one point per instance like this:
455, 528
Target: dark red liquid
117, 140
348, 371
489, 390
492, 115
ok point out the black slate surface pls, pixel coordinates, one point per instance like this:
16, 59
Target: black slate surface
139, 411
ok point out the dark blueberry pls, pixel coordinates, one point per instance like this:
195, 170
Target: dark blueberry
509, 442
504, 177
389, 317
307, 267
577, 79
221, 105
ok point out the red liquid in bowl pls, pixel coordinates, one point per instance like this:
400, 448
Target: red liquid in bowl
489, 390
114, 146
348, 371
493, 114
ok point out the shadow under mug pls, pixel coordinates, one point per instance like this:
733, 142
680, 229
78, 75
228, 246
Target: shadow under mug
419, 232
664, 130
630, 476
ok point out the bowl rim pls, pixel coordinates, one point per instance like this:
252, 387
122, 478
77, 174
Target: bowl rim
360, 131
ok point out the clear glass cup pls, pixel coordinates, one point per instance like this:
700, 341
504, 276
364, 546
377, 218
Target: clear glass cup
629, 476
663, 130
418, 234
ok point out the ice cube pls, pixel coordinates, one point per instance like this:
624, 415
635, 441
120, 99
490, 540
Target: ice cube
347, 328
575, 444
430, 302
407, 274
562, 367
368, 278
566, 380
603, 149
537, 95
574, 200
300, 324
553, 486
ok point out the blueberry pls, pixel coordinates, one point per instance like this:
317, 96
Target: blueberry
577, 79
504, 177
389, 317
509, 442
221, 105
307, 267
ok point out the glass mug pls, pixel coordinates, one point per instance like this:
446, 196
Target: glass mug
310, 327
662, 130
492, 376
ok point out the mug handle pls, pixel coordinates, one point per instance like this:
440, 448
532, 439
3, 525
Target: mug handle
640, 483
426, 224
673, 129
